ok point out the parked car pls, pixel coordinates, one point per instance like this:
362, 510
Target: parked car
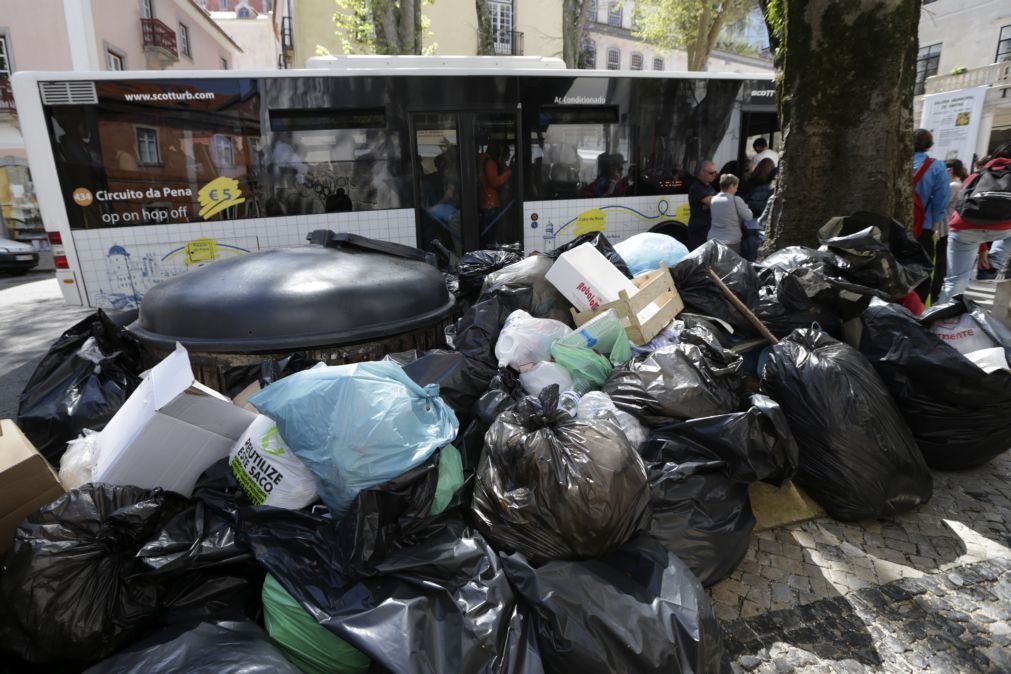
17, 257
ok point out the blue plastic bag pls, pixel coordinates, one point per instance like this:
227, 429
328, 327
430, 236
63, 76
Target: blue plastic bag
644, 252
357, 426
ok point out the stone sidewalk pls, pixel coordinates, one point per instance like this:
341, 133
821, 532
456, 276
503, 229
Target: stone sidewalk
927, 591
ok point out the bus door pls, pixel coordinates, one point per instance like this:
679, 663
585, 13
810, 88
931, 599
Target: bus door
465, 180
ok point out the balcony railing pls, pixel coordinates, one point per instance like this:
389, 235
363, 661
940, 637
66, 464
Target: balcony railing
509, 43
998, 74
6, 97
159, 36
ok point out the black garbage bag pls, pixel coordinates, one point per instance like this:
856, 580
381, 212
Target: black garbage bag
462, 380
960, 415
504, 393
71, 590
796, 299
876, 251
81, 382
599, 241
637, 609
220, 647
858, 458
552, 487
387, 517
701, 294
237, 378
754, 445
107, 562
543, 300
700, 506
697, 377
443, 605
205, 572
812, 281
476, 265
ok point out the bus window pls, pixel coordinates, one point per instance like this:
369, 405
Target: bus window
499, 212
320, 161
438, 182
579, 152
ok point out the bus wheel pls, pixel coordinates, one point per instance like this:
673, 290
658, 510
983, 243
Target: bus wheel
673, 228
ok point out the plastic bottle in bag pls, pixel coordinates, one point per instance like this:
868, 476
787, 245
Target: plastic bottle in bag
544, 374
568, 402
596, 403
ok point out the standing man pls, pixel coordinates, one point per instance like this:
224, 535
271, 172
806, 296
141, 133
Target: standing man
762, 151
699, 197
931, 193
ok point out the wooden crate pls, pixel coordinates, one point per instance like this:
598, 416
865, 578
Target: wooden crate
656, 287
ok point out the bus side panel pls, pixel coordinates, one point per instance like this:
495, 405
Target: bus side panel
549, 224
123, 263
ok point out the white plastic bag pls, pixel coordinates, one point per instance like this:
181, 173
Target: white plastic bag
596, 403
963, 334
525, 340
78, 462
268, 471
544, 374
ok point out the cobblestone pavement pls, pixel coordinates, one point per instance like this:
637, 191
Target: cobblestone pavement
927, 591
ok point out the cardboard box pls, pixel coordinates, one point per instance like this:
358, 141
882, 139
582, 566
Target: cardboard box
169, 431
588, 279
27, 481
648, 310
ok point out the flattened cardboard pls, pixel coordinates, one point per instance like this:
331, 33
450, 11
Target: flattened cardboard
169, 431
27, 481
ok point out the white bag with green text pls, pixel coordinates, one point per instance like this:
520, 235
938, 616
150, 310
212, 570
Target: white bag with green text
268, 471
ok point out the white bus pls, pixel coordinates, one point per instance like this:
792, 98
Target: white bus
144, 175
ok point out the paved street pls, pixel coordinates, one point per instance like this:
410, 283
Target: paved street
928, 591
32, 315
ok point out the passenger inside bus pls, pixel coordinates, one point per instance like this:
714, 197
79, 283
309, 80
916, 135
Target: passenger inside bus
493, 179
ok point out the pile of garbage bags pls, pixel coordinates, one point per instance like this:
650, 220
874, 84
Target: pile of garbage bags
534, 498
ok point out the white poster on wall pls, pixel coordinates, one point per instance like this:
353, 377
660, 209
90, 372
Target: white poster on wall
953, 117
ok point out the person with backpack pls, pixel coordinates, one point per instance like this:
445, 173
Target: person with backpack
931, 194
982, 215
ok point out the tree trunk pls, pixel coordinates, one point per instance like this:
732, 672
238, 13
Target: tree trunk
845, 89
485, 38
408, 27
574, 16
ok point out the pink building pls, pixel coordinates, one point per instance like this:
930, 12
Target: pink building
87, 35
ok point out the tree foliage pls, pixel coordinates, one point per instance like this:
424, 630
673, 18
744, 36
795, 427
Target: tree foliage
691, 25
384, 27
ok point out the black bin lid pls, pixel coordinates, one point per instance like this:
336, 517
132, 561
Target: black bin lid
342, 289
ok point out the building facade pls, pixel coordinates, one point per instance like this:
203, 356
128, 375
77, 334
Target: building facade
966, 44
250, 23
90, 35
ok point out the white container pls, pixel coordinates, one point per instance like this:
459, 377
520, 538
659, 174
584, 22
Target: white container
588, 279
268, 471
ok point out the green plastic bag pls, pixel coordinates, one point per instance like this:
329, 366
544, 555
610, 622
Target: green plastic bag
308, 645
450, 478
588, 368
604, 334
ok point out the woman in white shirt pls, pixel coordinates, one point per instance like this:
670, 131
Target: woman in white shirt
729, 214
